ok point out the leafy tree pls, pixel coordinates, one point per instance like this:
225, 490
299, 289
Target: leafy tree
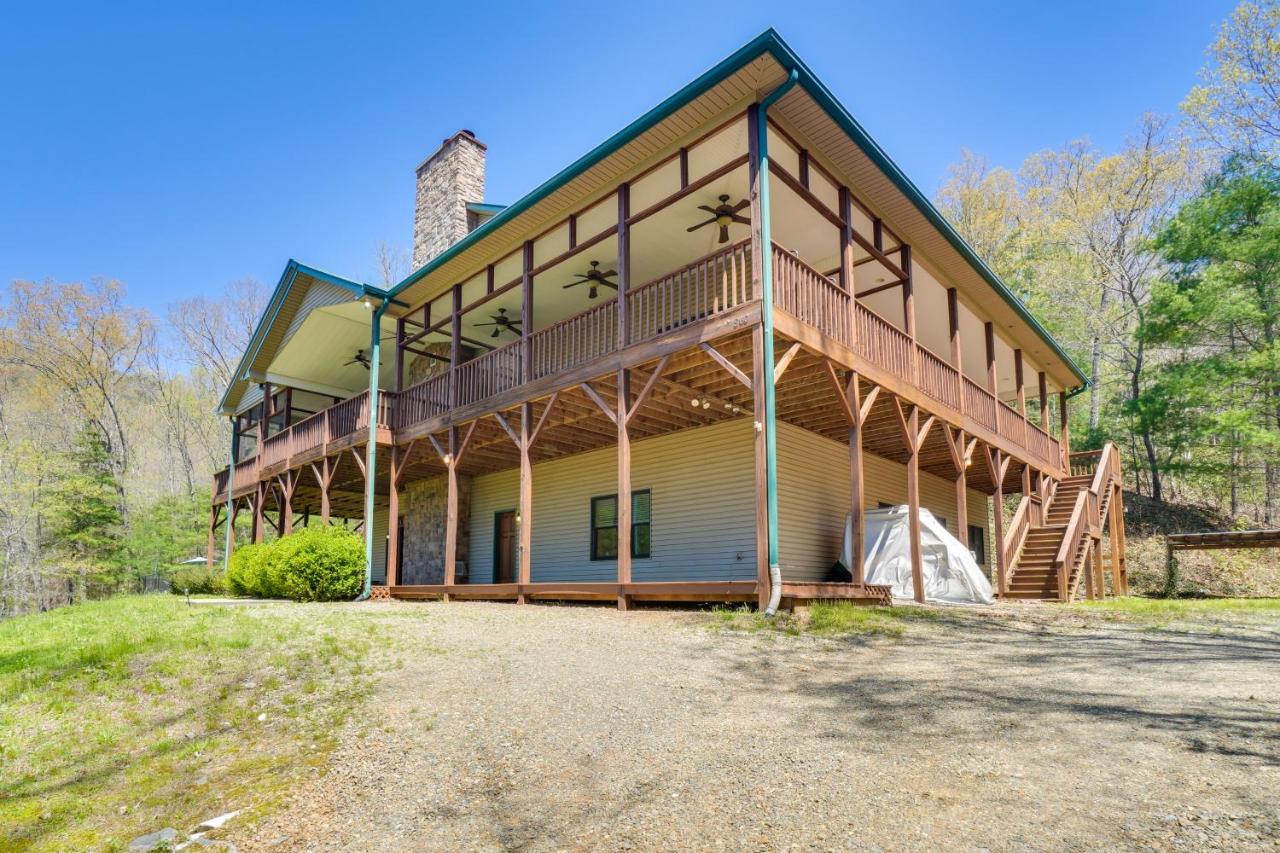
85, 525
1237, 106
1220, 307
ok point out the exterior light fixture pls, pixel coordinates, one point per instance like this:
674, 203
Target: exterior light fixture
367, 302
695, 402
706, 404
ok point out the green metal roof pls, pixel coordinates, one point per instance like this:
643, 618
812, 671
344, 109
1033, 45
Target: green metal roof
767, 42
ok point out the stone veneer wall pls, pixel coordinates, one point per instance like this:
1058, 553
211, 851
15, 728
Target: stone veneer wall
447, 181
424, 504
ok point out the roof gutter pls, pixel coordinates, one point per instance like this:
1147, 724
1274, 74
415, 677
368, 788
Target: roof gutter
766, 310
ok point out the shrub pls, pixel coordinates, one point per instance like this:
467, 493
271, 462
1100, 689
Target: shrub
251, 572
319, 564
199, 580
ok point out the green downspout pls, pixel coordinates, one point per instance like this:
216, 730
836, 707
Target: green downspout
231, 501
371, 452
766, 311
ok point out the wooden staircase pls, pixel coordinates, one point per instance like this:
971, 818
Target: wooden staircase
1054, 540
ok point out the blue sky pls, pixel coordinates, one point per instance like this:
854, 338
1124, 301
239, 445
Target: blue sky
177, 146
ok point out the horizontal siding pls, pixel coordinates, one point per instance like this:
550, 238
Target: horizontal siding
702, 485
813, 499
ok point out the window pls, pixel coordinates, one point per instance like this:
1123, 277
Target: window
978, 544
604, 526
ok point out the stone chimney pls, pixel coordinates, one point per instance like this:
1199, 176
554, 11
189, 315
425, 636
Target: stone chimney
447, 181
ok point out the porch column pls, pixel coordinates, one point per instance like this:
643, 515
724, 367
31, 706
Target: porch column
857, 486
846, 241
956, 444
213, 529
624, 265
259, 497
287, 482
1119, 567
526, 501
1064, 431
399, 386
993, 379
909, 311
913, 504
624, 485
997, 463
526, 313
1044, 402
451, 511
953, 324
761, 463
393, 512
1022, 392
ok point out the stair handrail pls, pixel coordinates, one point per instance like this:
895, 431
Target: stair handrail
1018, 528
1076, 528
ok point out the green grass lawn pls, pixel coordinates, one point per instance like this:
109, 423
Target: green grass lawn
126, 716
826, 618
1165, 609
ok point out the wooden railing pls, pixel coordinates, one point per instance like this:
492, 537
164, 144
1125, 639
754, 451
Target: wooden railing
708, 286
980, 404
880, 342
939, 379
492, 373
245, 474
1086, 515
808, 295
427, 399
221, 479
575, 340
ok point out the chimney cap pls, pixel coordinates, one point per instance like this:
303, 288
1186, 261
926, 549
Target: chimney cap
448, 142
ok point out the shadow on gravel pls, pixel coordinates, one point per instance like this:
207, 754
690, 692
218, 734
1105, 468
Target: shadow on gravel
1020, 677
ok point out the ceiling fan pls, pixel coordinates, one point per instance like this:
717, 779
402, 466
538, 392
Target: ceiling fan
595, 278
502, 321
359, 358
723, 214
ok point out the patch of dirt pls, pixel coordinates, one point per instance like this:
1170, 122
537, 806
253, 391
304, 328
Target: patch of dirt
578, 728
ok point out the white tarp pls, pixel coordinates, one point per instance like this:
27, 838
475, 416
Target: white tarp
951, 575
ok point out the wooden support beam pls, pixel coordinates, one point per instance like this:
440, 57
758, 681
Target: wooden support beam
911, 424
525, 519
624, 483
451, 510
959, 461
761, 501
728, 365
647, 389
259, 498
784, 362
1044, 402
992, 377
393, 515
998, 465
599, 401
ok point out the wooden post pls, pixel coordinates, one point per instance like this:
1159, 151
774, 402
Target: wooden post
997, 465
624, 265
526, 312
624, 485
525, 520
393, 516
288, 482
857, 487
953, 324
213, 527
325, 476
960, 462
759, 252
451, 511
846, 241
455, 345
762, 509
259, 499
993, 379
913, 505
1022, 393
1064, 432
1119, 569
1044, 402
399, 355
909, 312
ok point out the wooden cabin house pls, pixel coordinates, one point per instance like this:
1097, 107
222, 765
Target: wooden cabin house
669, 373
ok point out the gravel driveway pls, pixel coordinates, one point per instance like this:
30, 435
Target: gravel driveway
576, 727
